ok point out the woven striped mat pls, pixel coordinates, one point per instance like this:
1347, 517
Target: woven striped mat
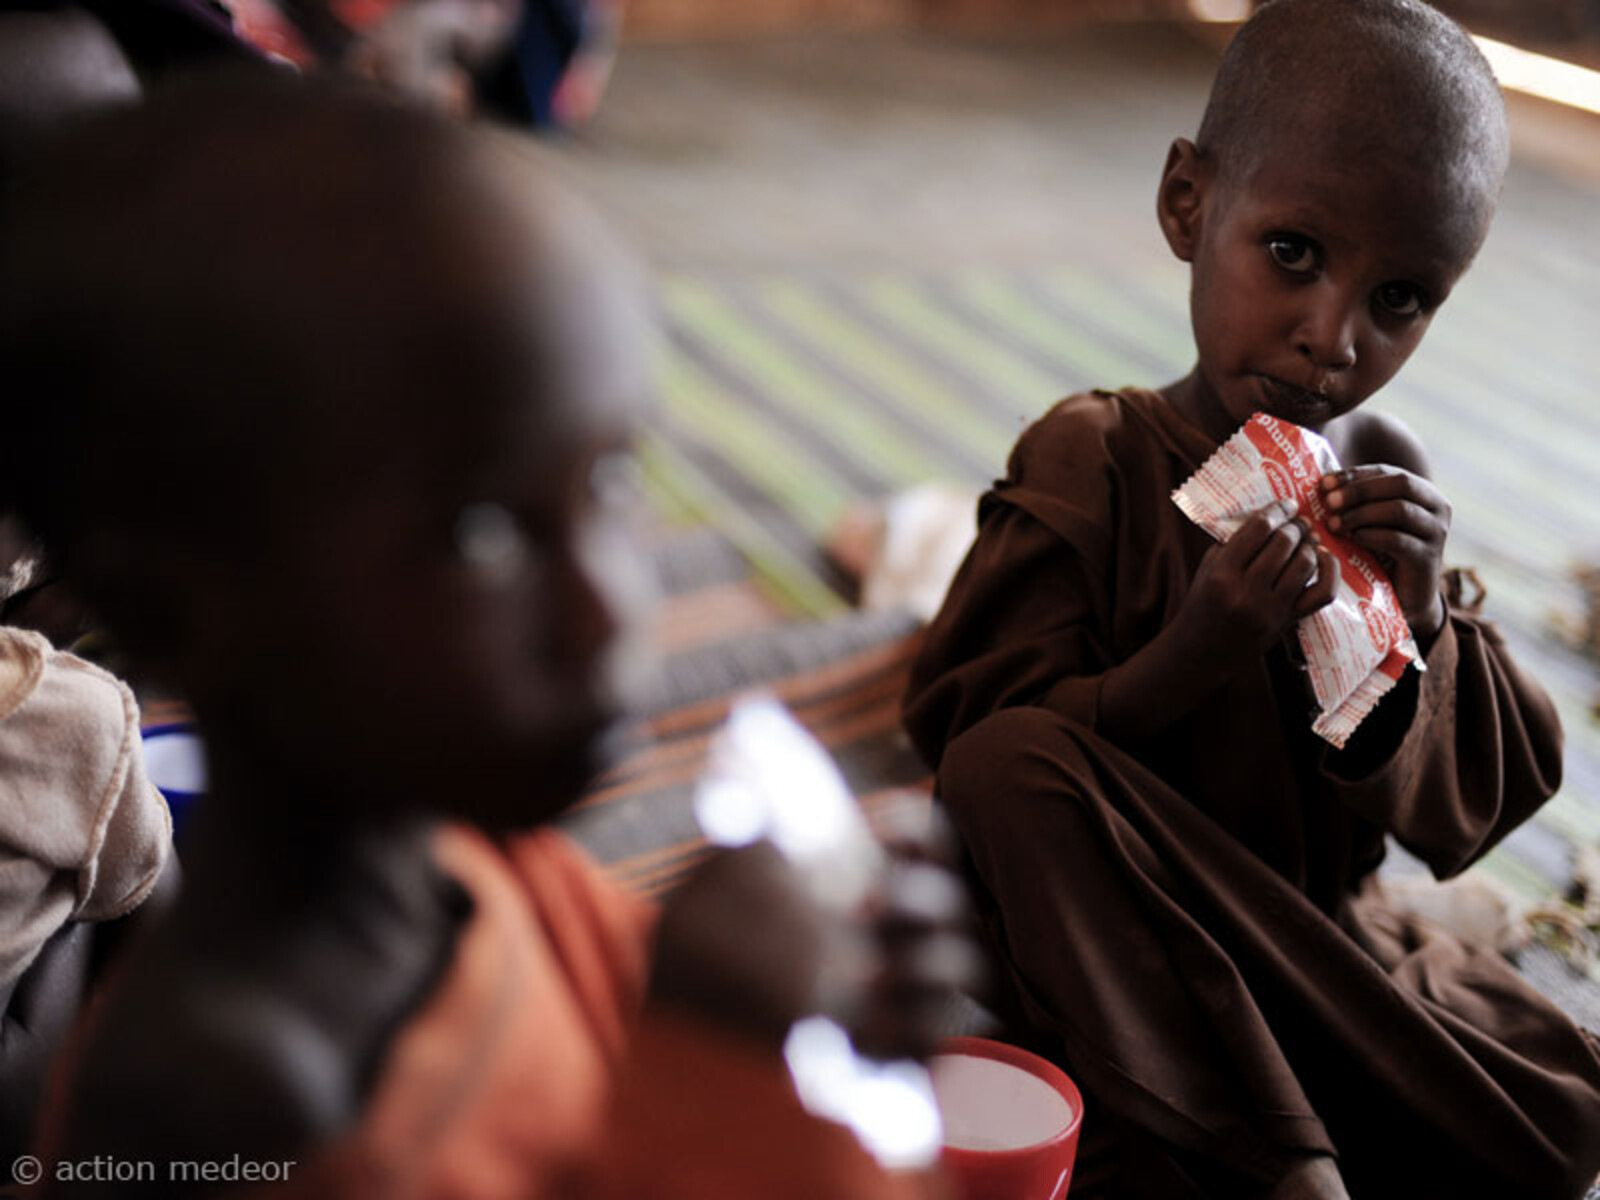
841, 676
787, 398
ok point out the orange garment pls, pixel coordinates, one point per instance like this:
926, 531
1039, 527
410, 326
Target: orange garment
532, 1073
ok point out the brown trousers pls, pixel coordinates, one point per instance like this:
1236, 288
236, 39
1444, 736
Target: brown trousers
1229, 1026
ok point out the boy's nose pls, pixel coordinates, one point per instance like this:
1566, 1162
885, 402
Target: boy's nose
611, 627
1326, 336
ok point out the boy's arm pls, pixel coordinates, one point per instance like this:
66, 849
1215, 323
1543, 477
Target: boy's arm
1245, 596
1027, 615
1385, 501
1454, 758
704, 1108
1030, 616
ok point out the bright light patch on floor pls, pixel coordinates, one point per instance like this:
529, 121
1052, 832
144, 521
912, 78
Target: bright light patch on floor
1518, 70
1539, 75
1219, 10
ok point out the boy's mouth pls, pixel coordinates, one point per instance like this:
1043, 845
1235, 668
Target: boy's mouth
1299, 404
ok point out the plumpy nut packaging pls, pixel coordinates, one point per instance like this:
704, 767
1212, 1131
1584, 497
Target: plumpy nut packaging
1358, 646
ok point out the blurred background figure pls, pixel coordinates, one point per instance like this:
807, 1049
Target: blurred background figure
535, 62
540, 63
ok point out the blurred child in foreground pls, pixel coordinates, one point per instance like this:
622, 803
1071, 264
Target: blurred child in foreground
346, 477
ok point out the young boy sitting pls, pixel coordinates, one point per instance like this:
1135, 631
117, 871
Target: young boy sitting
319, 399
1176, 875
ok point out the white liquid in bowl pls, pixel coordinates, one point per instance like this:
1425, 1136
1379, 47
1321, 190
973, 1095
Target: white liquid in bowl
989, 1105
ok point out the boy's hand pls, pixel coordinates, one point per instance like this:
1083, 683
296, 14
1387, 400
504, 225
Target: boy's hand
922, 926
1403, 520
741, 945
1252, 587
744, 947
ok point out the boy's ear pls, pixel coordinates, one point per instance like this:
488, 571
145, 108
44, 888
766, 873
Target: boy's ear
1179, 198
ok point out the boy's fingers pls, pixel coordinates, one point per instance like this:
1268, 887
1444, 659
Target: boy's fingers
1278, 549
1298, 572
1364, 485
1362, 475
1321, 592
908, 1003
939, 962
1406, 514
1393, 543
919, 896
1253, 534
911, 830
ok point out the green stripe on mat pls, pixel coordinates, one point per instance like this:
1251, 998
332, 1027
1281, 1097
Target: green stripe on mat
1096, 362
1526, 352
878, 446
796, 481
1488, 407
1572, 819
1520, 880
1162, 336
926, 397
944, 338
791, 581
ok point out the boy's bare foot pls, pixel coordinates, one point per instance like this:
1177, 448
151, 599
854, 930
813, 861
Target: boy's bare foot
1314, 1179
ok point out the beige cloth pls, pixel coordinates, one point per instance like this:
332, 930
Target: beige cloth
83, 832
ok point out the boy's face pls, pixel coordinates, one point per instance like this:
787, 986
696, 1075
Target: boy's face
449, 634
1314, 276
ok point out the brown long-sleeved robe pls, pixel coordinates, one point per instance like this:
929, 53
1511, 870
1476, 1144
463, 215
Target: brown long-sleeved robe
1191, 922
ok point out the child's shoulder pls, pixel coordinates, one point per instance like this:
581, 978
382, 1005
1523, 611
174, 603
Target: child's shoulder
57, 700
1369, 436
71, 765
1101, 424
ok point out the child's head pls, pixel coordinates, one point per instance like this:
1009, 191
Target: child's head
52, 64
316, 397
1344, 176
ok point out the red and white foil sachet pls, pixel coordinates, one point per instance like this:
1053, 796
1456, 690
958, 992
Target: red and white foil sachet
1357, 647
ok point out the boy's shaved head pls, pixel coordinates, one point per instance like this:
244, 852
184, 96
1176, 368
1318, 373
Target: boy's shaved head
54, 64
252, 275
310, 392
1357, 78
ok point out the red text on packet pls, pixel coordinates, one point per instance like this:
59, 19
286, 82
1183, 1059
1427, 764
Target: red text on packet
1377, 625
1278, 480
1288, 463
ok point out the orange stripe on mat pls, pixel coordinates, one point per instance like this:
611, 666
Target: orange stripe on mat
711, 614
656, 878
665, 764
661, 753
829, 678
655, 872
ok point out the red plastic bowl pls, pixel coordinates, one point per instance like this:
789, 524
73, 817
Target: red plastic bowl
1040, 1170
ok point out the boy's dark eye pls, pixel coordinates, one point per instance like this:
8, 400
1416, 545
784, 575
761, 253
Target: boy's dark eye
489, 537
1400, 299
1293, 253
